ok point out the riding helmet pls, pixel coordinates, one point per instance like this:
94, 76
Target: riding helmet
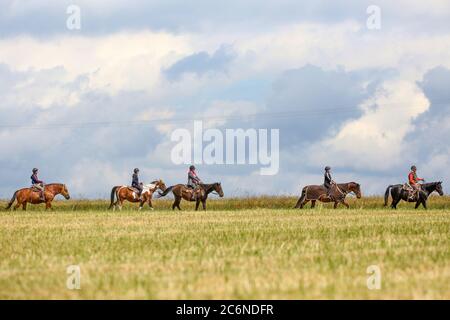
35, 170
413, 168
191, 168
136, 170
327, 168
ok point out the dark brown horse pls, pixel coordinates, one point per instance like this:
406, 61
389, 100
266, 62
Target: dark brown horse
30, 195
338, 193
181, 191
123, 193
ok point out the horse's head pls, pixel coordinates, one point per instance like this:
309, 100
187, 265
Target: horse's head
65, 192
218, 188
439, 188
355, 188
161, 185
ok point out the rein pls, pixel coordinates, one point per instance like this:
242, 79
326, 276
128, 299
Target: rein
344, 193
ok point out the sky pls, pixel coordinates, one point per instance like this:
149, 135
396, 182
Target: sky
87, 105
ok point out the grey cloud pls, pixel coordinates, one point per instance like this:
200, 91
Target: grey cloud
201, 62
432, 128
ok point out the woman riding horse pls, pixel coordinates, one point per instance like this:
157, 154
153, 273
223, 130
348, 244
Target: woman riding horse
336, 194
122, 193
29, 195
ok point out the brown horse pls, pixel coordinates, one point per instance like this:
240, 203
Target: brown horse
181, 191
338, 193
123, 193
30, 195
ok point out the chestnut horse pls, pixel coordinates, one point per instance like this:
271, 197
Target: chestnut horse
338, 193
181, 191
123, 193
30, 195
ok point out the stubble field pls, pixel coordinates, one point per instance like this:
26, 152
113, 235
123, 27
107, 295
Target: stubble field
255, 248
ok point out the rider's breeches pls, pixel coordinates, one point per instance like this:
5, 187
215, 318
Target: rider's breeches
39, 186
139, 187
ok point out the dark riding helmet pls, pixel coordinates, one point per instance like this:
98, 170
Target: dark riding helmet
191, 168
136, 170
327, 168
35, 170
413, 168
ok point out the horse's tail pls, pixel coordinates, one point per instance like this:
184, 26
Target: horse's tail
162, 194
113, 193
12, 200
301, 199
386, 195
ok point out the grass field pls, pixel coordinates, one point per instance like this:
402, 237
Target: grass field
241, 248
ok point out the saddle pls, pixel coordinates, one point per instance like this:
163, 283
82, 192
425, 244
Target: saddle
413, 194
194, 191
35, 189
133, 189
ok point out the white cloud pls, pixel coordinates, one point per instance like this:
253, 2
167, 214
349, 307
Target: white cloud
375, 140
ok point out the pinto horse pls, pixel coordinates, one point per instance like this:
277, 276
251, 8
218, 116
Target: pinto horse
123, 193
30, 195
399, 193
338, 193
181, 191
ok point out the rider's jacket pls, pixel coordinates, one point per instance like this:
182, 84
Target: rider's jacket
135, 181
327, 179
35, 179
413, 179
193, 179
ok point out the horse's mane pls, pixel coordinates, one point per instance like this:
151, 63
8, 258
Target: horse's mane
208, 186
430, 184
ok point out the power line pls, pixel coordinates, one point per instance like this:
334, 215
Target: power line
322, 112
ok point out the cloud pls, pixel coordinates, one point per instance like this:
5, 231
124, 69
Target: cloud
201, 63
105, 99
428, 142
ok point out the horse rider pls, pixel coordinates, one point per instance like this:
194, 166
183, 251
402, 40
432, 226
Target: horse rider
38, 184
193, 181
328, 181
413, 180
135, 181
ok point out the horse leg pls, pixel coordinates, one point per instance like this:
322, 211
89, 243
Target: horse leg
48, 205
176, 203
313, 203
17, 205
197, 203
303, 203
150, 204
24, 206
394, 203
424, 203
345, 204
335, 205
204, 204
